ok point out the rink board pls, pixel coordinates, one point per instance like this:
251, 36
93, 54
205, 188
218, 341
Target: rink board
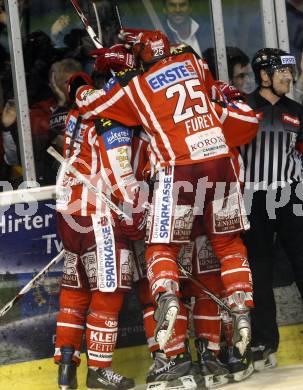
134, 362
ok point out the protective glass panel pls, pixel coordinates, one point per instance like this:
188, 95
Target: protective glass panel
244, 37
10, 169
294, 10
183, 21
52, 32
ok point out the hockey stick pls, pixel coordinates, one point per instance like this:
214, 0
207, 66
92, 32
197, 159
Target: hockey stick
153, 15
53, 152
218, 301
86, 24
118, 14
31, 283
98, 22
88, 27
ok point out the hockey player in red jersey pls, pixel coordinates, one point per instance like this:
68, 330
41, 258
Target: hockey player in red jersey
98, 260
198, 258
190, 140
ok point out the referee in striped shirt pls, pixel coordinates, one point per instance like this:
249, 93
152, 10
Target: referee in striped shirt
273, 172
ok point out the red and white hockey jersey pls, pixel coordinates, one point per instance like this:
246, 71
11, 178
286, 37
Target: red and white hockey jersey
171, 101
73, 197
112, 158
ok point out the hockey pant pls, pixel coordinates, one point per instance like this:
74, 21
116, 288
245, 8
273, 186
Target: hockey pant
83, 307
179, 193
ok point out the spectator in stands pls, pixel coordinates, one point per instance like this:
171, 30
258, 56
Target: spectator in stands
4, 168
59, 29
60, 73
180, 27
39, 54
11, 156
78, 46
294, 10
239, 69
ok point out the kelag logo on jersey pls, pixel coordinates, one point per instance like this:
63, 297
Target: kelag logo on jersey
117, 137
171, 74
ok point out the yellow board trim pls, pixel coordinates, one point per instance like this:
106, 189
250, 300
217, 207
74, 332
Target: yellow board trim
132, 362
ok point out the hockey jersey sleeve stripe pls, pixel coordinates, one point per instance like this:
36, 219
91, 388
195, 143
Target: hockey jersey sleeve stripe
200, 68
92, 140
130, 95
224, 115
154, 120
136, 159
84, 197
105, 174
244, 118
145, 123
96, 109
144, 136
217, 114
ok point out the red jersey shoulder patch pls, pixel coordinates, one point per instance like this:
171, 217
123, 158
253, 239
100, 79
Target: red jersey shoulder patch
292, 120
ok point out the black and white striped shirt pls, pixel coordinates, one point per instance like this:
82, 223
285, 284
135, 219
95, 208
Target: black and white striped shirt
271, 158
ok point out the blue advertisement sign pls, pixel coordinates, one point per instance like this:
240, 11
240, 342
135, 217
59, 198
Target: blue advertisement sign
28, 242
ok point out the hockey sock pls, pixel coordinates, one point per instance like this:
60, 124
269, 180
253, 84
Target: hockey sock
177, 344
102, 327
71, 321
101, 337
162, 271
207, 322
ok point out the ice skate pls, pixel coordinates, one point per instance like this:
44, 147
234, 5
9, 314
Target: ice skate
239, 367
263, 357
213, 371
165, 369
107, 379
159, 361
67, 372
165, 316
173, 374
241, 322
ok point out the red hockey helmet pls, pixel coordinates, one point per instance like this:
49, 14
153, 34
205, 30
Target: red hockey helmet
151, 46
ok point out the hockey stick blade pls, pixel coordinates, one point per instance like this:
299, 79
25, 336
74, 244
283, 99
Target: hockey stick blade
204, 289
86, 24
53, 152
31, 283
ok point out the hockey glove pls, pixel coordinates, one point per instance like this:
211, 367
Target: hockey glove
129, 36
76, 81
230, 92
115, 58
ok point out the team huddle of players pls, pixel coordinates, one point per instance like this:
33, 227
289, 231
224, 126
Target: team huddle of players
160, 141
